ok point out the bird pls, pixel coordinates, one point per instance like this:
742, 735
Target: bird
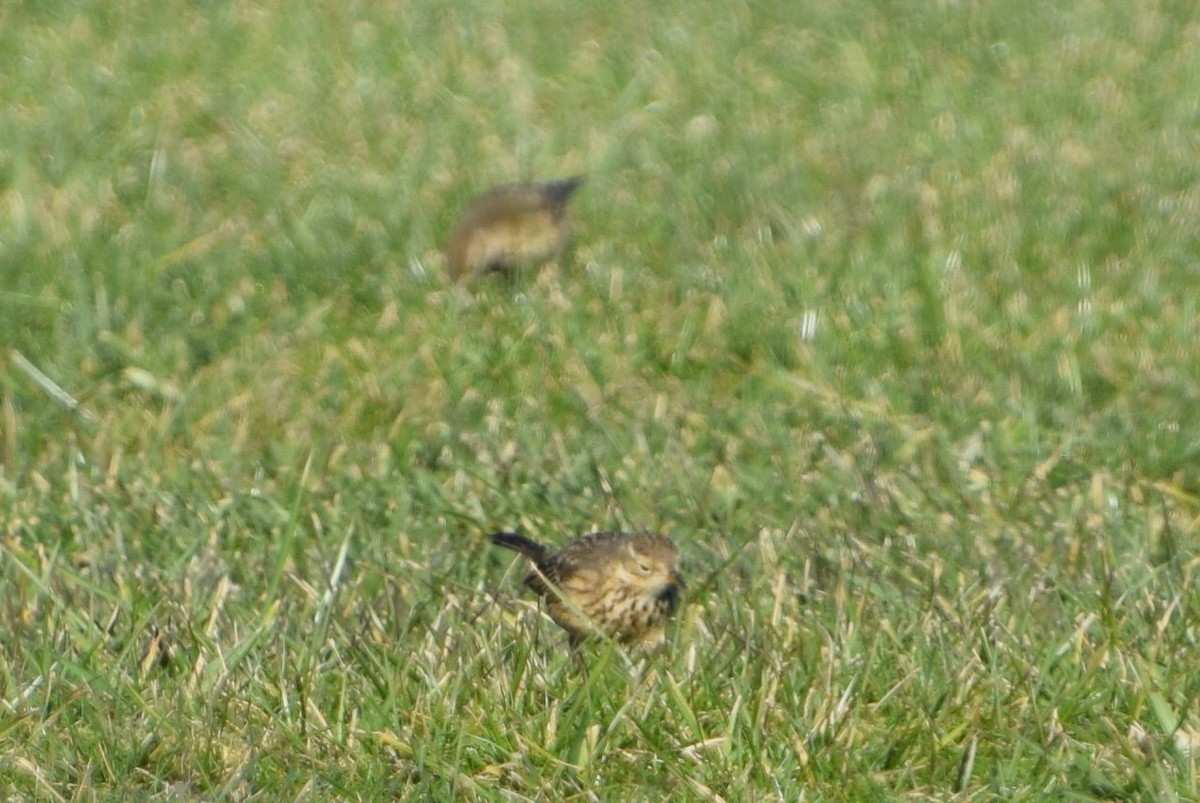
513, 226
621, 585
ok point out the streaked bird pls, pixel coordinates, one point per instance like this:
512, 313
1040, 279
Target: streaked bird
621, 585
517, 225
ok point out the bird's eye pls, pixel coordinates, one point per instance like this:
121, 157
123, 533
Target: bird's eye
644, 568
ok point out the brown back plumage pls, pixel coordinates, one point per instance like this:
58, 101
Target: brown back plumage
511, 226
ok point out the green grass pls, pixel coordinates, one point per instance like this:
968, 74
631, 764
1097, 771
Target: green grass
887, 312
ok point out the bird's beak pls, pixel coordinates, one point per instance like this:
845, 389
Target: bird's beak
677, 580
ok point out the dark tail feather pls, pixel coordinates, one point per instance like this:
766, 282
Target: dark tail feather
519, 543
559, 192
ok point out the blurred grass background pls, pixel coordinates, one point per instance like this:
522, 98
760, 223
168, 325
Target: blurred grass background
886, 312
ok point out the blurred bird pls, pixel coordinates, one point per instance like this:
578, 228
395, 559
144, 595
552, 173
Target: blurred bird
513, 226
621, 585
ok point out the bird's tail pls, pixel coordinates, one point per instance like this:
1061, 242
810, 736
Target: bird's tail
519, 543
559, 192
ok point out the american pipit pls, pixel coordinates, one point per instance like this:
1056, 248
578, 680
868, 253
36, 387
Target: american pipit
622, 585
512, 226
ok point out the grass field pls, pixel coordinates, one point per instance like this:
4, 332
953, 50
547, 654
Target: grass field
887, 312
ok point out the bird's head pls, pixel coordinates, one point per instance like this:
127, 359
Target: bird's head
650, 563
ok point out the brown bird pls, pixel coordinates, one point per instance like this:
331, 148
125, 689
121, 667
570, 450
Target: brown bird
513, 226
621, 585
